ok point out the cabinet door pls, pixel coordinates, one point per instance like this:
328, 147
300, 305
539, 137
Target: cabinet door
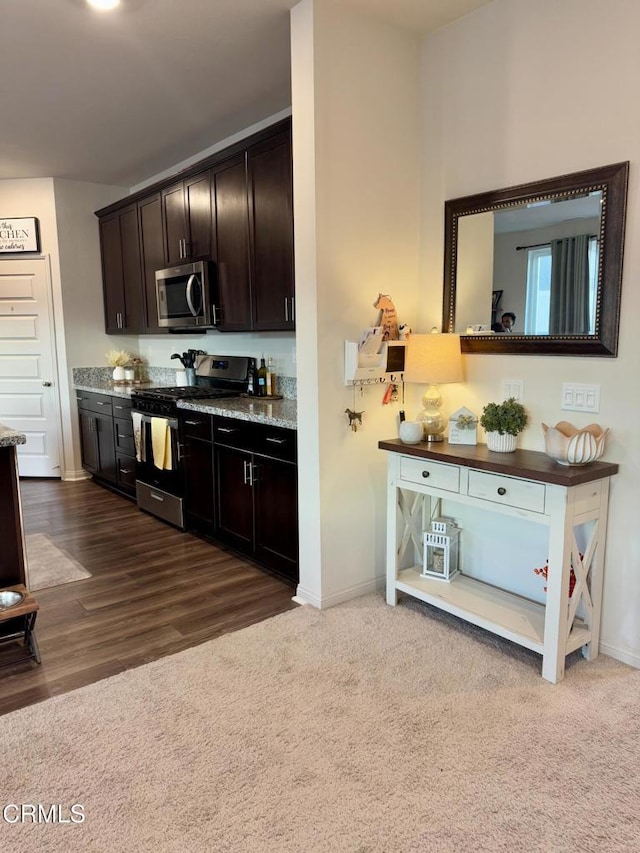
106, 448
112, 279
234, 498
175, 224
199, 486
231, 218
152, 251
276, 515
126, 473
271, 209
121, 272
134, 308
88, 442
197, 195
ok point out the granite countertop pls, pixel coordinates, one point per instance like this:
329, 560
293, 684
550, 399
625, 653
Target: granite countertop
282, 413
9, 437
100, 386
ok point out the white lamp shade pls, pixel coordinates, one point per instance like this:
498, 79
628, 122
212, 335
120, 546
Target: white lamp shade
433, 358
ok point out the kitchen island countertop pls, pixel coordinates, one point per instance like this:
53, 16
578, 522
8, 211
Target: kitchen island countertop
10, 437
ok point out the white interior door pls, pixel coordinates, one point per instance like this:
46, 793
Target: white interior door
28, 394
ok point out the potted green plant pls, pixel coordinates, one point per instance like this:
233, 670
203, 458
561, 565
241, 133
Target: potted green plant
502, 422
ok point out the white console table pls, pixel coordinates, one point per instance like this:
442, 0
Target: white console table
524, 484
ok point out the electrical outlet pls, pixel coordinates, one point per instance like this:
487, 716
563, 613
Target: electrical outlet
578, 397
513, 388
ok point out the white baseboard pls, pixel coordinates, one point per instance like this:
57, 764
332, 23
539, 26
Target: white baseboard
628, 656
75, 476
305, 596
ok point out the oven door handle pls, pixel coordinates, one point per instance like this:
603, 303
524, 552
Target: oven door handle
173, 422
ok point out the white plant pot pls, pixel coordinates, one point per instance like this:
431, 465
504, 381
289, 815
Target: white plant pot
118, 374
501, 443
411, 432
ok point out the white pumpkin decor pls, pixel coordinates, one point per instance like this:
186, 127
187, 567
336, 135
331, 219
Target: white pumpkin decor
569, 445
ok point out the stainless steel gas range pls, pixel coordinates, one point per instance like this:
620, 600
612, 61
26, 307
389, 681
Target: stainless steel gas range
160, 486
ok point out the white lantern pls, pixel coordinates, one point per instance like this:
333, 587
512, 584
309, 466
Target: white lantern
441, 550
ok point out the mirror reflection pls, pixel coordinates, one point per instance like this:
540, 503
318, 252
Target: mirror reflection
531, 269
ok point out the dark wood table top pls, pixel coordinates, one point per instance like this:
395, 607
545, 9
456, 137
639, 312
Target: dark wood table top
528, 464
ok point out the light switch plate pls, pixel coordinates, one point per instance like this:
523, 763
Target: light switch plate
513, 388
579, 397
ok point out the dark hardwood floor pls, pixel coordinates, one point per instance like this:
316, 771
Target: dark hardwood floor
153, 591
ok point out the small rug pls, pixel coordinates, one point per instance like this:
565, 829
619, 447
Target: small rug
48, 565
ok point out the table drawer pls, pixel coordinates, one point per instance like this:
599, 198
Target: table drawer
432, 474
510, 491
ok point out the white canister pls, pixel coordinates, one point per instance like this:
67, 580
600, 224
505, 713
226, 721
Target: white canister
411, 432
181, 378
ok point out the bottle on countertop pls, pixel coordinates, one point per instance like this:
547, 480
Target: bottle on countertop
262, 379
252, 379
271, 378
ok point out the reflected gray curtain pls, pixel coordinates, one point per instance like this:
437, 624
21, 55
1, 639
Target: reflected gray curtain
569, 304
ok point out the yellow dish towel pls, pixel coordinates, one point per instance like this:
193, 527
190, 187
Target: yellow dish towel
161, 443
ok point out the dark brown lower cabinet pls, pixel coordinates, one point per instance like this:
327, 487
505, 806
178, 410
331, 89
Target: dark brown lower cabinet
106, 439
241, 487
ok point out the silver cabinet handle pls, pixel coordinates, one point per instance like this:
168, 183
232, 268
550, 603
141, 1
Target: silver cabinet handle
277, 440
156, 497
214, 315
286, 309
46, 384
127, 470
227, 429
98, 403
247, 469
293, 308
193, 423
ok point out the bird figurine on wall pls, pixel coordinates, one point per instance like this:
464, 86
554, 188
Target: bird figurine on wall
355, 418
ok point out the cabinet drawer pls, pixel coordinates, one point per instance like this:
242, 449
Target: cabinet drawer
432, 474
233, 432
123, 436
522, 494
277, 442
126, 472
121, 407
92, 402
196, 425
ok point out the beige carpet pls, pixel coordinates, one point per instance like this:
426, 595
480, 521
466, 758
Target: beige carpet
364, 729
48, 565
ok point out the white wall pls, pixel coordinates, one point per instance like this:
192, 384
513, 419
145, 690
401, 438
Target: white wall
515, 92
356, 195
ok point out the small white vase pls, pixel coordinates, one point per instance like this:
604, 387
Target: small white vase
501, 443
411, 432
118, 374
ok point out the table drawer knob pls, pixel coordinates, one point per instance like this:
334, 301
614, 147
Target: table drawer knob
502, 490
425, 474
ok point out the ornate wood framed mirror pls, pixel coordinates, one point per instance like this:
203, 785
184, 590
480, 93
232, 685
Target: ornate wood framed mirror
548, 256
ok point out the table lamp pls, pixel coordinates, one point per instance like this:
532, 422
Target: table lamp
436, 360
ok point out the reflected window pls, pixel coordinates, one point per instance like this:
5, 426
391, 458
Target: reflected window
538, 293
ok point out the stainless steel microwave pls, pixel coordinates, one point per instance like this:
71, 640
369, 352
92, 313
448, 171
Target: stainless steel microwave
183, 295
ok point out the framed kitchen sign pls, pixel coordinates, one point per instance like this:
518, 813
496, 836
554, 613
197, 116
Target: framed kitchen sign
19, 235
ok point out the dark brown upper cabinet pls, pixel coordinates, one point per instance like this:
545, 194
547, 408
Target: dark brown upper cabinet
271, 230
152, 256
231, 245
253, 246
124, 306
235, 208
187, 219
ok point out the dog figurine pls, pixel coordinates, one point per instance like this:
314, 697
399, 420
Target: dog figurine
355, 418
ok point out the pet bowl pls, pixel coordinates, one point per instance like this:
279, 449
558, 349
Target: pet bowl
571, 446
9, 598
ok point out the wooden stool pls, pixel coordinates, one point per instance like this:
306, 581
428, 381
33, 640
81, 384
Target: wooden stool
26, 611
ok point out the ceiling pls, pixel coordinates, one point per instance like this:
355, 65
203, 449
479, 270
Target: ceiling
117, 97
